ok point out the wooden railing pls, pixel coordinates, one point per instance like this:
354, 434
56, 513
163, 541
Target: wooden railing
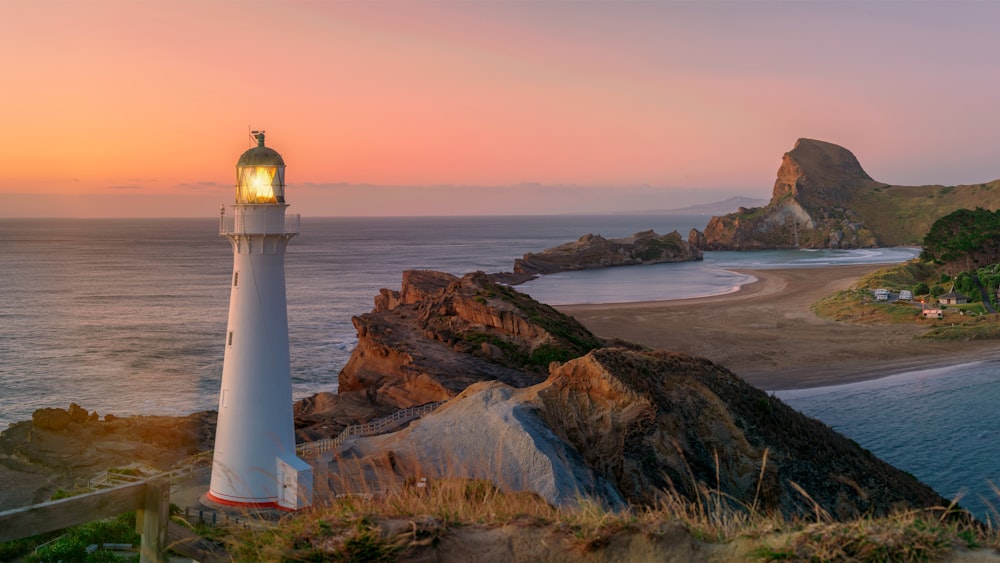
373, 428
112, 478
150, 500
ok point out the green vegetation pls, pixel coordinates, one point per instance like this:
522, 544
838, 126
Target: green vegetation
901, 276
985, 327
656, 249
964, 241
961, 251
903, 215
71, 544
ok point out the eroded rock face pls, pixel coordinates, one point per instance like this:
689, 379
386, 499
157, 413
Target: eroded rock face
441, 333
811, 206
594, 251
650, 421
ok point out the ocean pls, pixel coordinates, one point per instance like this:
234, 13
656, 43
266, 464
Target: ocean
128, 316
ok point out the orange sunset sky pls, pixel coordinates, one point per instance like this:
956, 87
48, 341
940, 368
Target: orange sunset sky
141, 107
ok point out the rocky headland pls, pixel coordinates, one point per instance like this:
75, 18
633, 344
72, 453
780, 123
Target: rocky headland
594, 251
823, 198
609, 420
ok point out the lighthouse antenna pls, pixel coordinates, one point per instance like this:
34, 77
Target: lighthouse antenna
252, 133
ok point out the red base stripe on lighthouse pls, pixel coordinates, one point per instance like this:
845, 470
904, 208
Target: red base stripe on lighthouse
250, 505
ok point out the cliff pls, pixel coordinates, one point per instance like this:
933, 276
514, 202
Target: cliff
823, 198
628, 427
595, 251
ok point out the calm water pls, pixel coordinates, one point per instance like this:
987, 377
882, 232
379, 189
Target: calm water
938, 424
129, 317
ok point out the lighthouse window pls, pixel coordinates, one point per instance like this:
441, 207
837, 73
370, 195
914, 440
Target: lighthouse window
236, 278
229, 341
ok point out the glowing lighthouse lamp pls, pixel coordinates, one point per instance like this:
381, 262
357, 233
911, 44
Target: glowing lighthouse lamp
255, 465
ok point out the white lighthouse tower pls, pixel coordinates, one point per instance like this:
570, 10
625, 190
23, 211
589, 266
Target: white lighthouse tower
255, 464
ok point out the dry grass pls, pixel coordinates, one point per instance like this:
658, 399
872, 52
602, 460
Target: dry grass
411, 521
403, 524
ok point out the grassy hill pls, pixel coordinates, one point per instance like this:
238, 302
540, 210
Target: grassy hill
902, 215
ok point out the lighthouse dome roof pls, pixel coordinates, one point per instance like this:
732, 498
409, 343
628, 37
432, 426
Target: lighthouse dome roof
260, 155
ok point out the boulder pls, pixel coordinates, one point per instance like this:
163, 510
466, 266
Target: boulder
51, 419
78, 413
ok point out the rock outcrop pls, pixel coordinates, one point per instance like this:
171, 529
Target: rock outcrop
595, 251
441, 333
823, 198
626, 426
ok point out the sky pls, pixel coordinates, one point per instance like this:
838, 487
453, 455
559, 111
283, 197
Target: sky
140, 108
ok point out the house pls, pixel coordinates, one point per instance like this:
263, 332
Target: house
953, 298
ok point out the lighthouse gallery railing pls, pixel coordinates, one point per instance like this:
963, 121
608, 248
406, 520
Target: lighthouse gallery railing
258, 224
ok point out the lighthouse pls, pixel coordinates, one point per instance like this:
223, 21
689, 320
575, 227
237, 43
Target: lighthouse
254, 464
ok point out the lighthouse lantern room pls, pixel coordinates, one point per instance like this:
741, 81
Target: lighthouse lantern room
255, 464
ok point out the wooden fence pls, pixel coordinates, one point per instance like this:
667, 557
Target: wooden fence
151, 501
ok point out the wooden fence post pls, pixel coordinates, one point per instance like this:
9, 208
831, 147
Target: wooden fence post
151, 521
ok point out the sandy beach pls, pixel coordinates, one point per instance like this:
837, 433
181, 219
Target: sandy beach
766, 333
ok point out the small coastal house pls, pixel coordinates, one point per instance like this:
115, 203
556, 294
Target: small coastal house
953, 298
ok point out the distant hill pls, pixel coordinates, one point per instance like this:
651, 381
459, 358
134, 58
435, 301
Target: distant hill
823, 198
730, 205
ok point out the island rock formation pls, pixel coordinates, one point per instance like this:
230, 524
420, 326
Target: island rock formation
607, 420
595, 251
823, 198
